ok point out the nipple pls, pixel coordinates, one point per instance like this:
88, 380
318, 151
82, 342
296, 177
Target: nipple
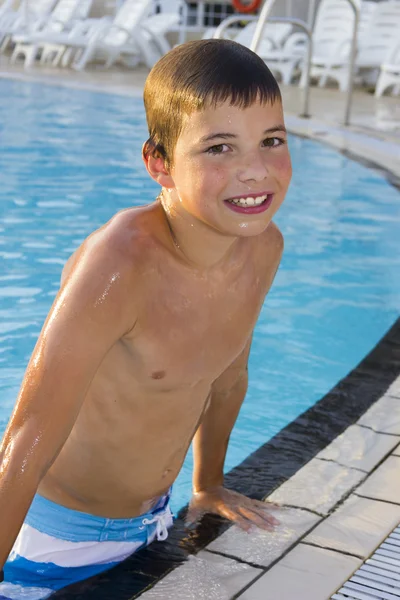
158, 375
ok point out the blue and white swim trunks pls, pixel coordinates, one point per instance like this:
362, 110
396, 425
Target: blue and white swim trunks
58, 546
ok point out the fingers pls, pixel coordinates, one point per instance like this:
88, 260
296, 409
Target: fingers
239, 509
193, 516
263, 521
237, 518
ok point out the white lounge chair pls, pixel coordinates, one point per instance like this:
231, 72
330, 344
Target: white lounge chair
332, 34
131, 35
64, 16
275, 34
6, 7
28, 17
379, 27
287, 59
7, 17
380, 37
390, 73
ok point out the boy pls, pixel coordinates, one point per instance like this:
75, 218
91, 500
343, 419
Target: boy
147, 343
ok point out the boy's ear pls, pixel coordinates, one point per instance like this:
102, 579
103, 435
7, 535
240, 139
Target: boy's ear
155, 165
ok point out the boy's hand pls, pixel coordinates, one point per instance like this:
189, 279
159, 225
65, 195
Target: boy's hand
243, 511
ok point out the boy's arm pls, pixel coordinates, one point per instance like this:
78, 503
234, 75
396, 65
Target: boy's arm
211, 440
88, 316
209, 449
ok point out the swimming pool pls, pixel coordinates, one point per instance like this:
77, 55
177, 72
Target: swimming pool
70, 159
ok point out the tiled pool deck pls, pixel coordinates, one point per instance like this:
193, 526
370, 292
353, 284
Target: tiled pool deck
341, 505
342, 498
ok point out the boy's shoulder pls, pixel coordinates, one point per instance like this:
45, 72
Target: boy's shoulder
127, 231
122, 243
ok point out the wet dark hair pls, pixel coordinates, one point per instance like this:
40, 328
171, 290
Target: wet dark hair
199, 74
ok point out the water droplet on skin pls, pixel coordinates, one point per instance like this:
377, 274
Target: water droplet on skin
104, 295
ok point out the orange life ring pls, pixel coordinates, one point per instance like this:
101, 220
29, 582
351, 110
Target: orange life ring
246, 8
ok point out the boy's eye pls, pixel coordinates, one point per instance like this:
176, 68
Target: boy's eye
272, 142
218, 149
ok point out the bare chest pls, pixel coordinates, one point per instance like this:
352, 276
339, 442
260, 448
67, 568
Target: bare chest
189, 333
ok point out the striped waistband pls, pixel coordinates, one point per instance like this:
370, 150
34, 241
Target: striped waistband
74, 526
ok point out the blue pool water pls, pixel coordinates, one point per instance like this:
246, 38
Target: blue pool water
70, 159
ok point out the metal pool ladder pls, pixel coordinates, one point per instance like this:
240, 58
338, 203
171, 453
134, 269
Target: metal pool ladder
379, 577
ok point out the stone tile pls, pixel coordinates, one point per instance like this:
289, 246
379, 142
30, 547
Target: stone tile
262, 547
384, 484
360, 448
318, 486
204, 576
306, 573
357, 527
383, 416
394, 389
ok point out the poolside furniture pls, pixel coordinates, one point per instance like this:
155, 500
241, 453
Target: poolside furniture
287, 59
379, 26
332, 34
63, 17
27, 18
376, 48
275, 34
132, 36
280, 49
390, 72
6, 7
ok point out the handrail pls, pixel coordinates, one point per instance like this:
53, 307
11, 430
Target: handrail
262, 19
239, 18
261, 22
229, 21
353, 54
266, 9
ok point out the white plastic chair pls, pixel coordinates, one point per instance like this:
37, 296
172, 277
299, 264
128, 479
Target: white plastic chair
63, 17
30, 15
281, 50
332, 34
390, 73
287, 59
380, 38
6, 7
131, 36
274, 36
379, 27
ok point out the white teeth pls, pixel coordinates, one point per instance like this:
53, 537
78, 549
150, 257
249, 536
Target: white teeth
249, 201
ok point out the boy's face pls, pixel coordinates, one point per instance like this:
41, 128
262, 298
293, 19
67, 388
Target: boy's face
231, 167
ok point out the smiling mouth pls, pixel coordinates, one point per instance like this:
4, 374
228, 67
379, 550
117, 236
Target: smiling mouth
249, 200
250, 204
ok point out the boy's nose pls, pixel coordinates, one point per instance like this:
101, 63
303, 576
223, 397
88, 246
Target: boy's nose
252, 169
